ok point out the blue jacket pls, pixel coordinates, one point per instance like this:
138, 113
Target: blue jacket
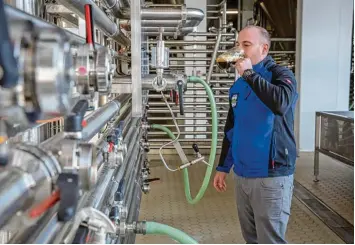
259, 132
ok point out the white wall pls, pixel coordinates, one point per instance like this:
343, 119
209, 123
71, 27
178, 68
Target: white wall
323, 60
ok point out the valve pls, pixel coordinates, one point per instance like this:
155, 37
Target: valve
43, 86
94, 67
196, 149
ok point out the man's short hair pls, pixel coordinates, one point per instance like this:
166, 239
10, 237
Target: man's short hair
263, 32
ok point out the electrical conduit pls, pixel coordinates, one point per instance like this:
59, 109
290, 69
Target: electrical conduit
212, 157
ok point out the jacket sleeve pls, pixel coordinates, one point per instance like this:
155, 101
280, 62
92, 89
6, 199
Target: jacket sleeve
277, 95
226, 159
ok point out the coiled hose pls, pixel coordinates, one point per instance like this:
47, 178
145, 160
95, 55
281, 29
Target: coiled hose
212, 157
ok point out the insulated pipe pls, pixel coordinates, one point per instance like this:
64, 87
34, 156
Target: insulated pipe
102, 21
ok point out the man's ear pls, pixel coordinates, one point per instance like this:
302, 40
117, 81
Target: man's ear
265, 49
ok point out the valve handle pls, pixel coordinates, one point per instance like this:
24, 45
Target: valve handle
68, 184
74, 121
195, 147
89, 25
181, 96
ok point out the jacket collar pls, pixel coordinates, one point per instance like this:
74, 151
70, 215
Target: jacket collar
266, 62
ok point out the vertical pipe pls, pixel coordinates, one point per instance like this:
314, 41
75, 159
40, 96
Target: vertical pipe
239, 15
236, 75
317, 146
136, 71
224, 15
298, 58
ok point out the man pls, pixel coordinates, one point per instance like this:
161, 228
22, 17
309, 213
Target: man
259, 140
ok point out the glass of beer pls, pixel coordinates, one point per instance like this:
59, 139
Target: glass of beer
229, 58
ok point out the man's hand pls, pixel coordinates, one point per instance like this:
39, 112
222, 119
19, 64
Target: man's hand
242, 65
219, 182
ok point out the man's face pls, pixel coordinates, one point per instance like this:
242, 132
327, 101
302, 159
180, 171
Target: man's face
251, 41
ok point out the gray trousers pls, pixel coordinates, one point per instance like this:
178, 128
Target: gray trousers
264, 208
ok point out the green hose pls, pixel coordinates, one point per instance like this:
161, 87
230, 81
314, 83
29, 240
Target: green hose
157, 228
209, 169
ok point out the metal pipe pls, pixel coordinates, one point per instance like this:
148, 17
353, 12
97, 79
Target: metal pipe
184, 140
102, 21
188, 96
146, 82
128, 177
209, 42
236, 75
186, 104
16, 14
172, 14
185, 133
124, 113
119, 173
15, 188
214, 55
168, 23
191, 125
43, 232
154, 111
157, 146
116, 7
97, 195
97, 119
193, 15
168, 31
239, 28
136, 69
184, 118
224, 16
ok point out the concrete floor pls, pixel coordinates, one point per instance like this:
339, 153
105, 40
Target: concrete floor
214, 219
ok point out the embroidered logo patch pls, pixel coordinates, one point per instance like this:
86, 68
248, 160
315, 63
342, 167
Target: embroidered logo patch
234, 100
